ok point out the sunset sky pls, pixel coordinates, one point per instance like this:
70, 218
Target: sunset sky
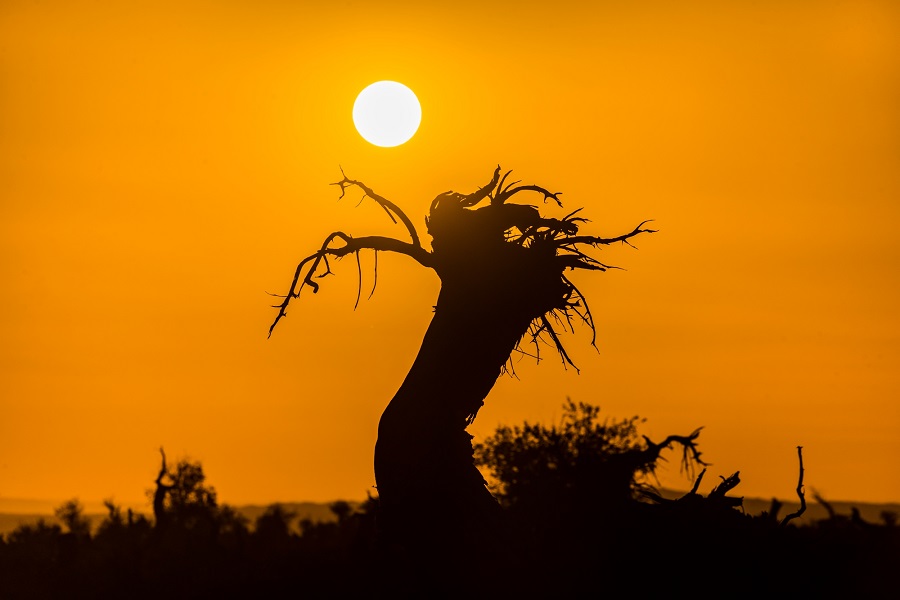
164, 165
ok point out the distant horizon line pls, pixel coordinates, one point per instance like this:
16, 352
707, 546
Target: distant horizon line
31, 506
98, 505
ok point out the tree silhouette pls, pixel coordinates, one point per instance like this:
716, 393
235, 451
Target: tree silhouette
504, 278
187, 501
71, 514
582, 463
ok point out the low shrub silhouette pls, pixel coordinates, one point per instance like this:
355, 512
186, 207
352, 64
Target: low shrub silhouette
582, 460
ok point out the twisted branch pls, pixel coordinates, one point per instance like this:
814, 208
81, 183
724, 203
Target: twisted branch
787, 519
690, 453
509, 193
351, 245
389, 207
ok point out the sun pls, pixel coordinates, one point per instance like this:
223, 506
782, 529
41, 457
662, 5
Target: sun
387, 114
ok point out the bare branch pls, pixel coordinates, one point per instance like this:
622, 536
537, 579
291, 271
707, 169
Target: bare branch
500, 186
598, 241
719, 494
535, 332
372, 242
483, 192
466, 200
788, 518
163, 471
359, 284
389, 207
587, 317
690, 453
697, 482
510, 192
375, 275
728, 484
159, 495
559, 346
586, 262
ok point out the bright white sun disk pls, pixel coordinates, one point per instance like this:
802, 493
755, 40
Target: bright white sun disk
387, 113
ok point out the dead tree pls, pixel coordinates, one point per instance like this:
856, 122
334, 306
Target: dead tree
159, 495
504, 271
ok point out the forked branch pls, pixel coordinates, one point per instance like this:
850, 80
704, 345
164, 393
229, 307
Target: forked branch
572, 242
495, 191
690, 453
310, 266
389, 207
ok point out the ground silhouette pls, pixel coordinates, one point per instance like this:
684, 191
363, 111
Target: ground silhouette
579, 516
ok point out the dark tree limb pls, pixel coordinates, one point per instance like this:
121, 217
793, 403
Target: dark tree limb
600, 241
697, 483
484, 191
351, 245
159, 496
359, 285
728, 484
509, 193
586, 316
374, 275
494, 191
389, 207
467, 200
556, 342
690, 453
719, 494
788, 518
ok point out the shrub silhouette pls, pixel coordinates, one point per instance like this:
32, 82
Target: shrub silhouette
581, 461
71, 513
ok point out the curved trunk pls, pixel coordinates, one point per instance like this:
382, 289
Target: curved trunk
437, 519
433, 500
423, 447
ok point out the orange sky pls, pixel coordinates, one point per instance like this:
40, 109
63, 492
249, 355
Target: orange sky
163, 165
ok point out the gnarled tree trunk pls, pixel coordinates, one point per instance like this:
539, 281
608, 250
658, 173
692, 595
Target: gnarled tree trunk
491, 292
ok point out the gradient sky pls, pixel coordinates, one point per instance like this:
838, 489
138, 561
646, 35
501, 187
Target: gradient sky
164, 165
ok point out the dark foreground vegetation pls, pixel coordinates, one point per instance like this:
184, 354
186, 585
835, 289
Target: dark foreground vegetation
577, 518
